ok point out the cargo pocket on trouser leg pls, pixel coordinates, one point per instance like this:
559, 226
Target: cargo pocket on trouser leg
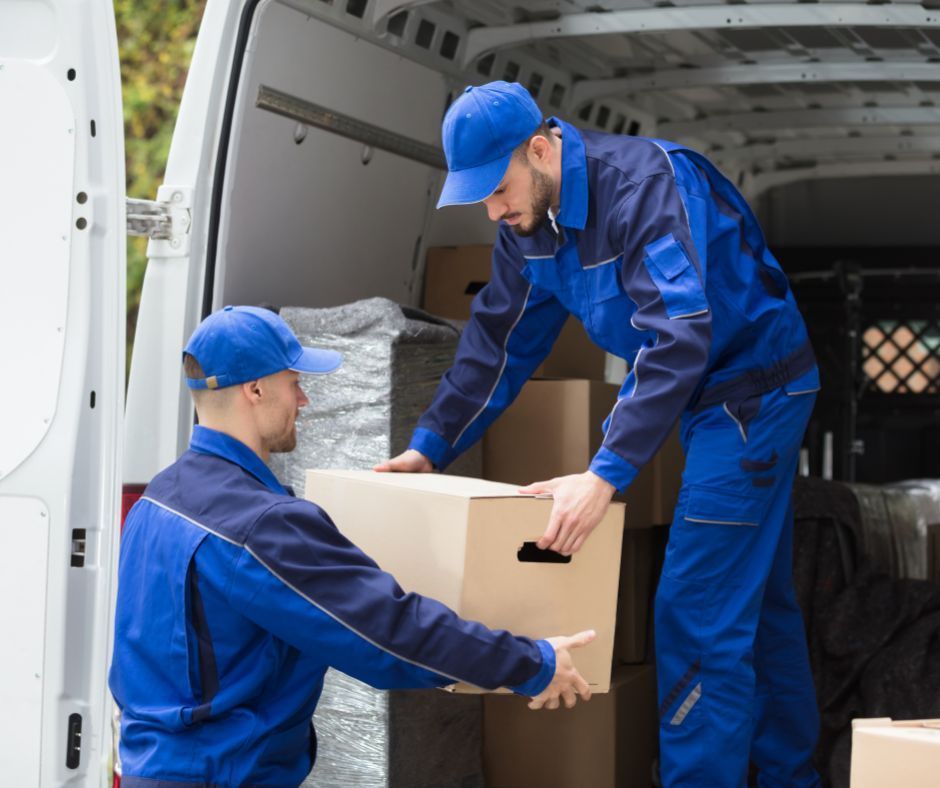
715, 529
714, 506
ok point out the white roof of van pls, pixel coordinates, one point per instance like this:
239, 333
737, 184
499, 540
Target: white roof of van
772, 91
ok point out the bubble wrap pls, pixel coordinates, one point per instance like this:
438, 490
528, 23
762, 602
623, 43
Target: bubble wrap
370, 738
895, 519
364, 413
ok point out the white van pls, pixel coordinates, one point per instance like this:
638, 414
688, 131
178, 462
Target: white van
304, 171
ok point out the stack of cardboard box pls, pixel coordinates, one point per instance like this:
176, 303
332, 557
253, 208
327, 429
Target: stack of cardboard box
553, 429
470, 544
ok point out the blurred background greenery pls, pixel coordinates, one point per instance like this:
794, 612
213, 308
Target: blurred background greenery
155, 41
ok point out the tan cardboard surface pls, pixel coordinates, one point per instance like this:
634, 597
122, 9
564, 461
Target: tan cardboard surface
458, 540
459, 486
554, 429
887, 753
542, 599
455, 274
574, 355
371, 513
609, 742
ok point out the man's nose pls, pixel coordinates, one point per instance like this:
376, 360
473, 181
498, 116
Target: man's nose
302, 399
494, 209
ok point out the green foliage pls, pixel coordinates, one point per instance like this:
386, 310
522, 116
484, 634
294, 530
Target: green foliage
155, 42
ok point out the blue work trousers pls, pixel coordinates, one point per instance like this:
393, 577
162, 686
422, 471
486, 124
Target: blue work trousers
733, 670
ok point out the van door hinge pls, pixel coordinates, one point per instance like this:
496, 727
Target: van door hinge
166, 221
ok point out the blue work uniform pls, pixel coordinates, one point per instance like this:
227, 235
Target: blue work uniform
661, 259
234, 597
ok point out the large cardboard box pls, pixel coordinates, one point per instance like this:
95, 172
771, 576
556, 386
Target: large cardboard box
554, 429
471, 544
455, 274
608, 742
889, 754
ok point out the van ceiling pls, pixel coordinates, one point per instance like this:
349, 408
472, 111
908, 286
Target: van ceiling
775, 92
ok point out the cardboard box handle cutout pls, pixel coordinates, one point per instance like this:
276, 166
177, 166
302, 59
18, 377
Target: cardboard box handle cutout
474, 287
530, 552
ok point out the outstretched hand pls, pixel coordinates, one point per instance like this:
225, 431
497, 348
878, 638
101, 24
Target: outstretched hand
567, 684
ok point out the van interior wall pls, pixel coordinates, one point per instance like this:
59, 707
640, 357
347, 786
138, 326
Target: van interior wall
325, 220
883, 211
460, 225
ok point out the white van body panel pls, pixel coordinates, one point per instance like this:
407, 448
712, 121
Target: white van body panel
159, 414
34, 305
62, 316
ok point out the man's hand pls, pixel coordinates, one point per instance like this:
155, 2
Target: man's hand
580, 503
567, 684
409, 461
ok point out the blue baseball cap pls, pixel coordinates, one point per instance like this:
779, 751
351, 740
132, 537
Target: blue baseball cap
242, 343
480, 131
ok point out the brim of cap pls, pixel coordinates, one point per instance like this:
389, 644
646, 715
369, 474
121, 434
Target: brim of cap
313, 361
474, 184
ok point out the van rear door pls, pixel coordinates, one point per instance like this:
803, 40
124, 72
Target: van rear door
62, 305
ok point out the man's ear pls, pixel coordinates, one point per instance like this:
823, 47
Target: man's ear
252, 391
540, 149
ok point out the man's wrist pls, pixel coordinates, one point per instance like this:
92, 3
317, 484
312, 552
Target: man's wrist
601, 484
545, 674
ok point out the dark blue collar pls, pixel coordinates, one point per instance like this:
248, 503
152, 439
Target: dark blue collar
574, 181
219, 444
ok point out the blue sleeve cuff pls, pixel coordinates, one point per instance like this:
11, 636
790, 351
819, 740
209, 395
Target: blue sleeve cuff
544, 677
432, 446
613, 469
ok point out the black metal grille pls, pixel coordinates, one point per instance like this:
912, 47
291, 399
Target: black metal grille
902, 357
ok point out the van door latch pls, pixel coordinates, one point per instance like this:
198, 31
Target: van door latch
166, 221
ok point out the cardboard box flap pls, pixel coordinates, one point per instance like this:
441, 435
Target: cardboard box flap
459, 486
887, 722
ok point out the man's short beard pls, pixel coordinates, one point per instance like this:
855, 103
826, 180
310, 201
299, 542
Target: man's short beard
542, 188
285, 444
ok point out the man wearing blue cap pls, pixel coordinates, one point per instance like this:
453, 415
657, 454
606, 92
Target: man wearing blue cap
664, 263
234, 597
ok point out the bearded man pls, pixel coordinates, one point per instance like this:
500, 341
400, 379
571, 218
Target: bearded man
662, 260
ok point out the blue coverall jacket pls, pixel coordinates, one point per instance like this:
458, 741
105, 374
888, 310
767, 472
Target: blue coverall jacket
661, 259
234, 597
626, 262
